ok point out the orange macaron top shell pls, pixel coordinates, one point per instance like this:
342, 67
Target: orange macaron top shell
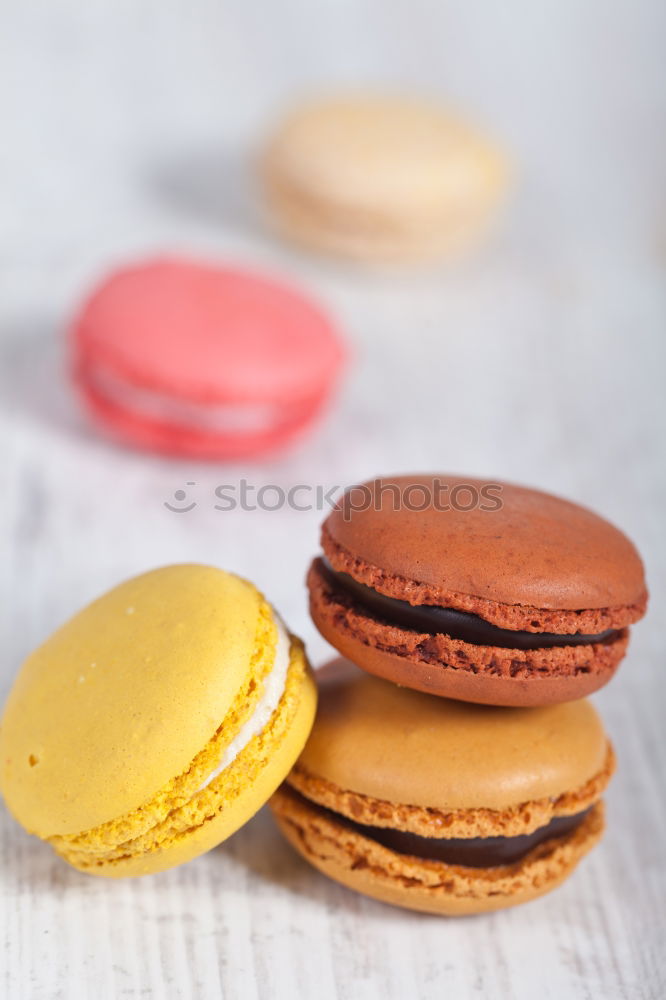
477, 590
190, 358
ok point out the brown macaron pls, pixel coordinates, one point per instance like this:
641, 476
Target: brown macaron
440, 806
476, 590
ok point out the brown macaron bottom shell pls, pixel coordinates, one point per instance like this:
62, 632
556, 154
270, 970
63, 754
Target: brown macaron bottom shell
361, 863
440, 665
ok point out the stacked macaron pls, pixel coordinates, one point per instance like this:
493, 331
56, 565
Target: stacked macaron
500, 607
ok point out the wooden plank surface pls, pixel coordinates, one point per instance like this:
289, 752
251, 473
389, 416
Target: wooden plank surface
540, 360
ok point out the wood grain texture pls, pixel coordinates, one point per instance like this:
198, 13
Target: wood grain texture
540, 360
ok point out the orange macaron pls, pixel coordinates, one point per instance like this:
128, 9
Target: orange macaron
441, 806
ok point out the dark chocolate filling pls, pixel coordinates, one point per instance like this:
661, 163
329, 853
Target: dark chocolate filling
473, 852
449, 621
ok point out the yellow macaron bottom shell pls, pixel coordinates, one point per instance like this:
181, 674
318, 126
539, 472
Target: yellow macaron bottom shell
185, 819
363, 864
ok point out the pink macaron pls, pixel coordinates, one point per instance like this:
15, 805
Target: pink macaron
191, 359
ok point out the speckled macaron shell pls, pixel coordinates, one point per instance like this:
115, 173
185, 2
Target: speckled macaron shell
384, 756
519, 559
381, 178
113, 723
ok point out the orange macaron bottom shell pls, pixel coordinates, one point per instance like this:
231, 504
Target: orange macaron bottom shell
361, 863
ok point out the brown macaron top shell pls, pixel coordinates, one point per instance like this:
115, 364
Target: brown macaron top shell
518, 558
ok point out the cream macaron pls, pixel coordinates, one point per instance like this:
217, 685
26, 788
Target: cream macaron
381, 178
154, 723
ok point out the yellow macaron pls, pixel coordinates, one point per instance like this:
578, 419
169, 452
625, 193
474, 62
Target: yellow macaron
154, 723
381, 178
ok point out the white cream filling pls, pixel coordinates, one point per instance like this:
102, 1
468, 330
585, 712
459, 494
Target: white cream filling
154, 405
274, 686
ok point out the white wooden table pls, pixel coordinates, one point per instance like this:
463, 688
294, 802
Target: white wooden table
541, 360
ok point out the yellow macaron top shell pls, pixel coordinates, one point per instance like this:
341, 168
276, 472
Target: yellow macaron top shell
117, 705
186, 819
400, 746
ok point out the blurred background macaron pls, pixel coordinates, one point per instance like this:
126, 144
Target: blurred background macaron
441, 806
381, 178
193, 359
155, 722
476, 589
